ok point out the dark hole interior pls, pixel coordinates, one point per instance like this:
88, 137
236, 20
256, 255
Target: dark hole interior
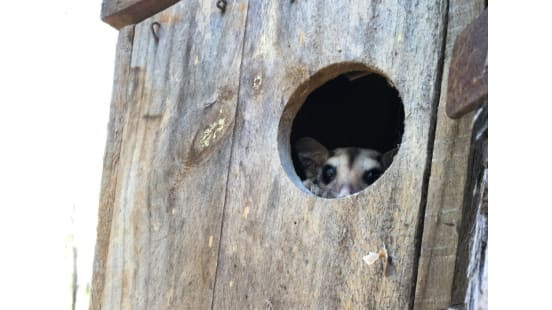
358, 109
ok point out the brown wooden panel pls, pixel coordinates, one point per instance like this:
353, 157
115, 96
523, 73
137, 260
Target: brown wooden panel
120, 13
283, 248
169, 183
445, 197
468, 74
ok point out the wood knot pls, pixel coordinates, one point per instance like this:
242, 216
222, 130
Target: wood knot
209, 135
213, 129
257, 82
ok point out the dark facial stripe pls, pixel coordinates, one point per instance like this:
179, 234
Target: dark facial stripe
352, 154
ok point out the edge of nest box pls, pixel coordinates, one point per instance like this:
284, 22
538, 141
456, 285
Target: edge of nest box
120, 13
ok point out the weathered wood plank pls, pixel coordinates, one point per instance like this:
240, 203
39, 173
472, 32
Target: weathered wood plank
117, 118
120, 13
470, 276
173, 162
445, 196
281, 247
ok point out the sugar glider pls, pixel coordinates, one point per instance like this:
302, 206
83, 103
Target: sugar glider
340, 172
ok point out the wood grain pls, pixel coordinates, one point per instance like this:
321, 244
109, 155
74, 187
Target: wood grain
445, 198
281, 247
159, 248
120, 13
117, 118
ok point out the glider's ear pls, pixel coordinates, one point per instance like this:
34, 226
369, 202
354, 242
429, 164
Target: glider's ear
312, 155
387, 157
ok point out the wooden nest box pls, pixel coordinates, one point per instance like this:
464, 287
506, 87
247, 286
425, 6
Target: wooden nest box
200, 205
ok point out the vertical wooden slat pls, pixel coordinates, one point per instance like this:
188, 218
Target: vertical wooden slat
117, 118
283, 248
164, 227
447, 181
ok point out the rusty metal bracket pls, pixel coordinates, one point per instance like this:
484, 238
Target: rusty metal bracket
155, 26
221, 5
468, 74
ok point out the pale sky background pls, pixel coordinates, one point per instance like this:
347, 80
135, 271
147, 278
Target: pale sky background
56, 71
56, 66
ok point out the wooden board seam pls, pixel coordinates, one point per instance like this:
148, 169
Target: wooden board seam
429, 159
232, 145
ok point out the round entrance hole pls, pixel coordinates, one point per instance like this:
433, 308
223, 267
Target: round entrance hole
341, 130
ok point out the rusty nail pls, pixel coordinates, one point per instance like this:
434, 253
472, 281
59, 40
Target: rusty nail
221, 4
154, 30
